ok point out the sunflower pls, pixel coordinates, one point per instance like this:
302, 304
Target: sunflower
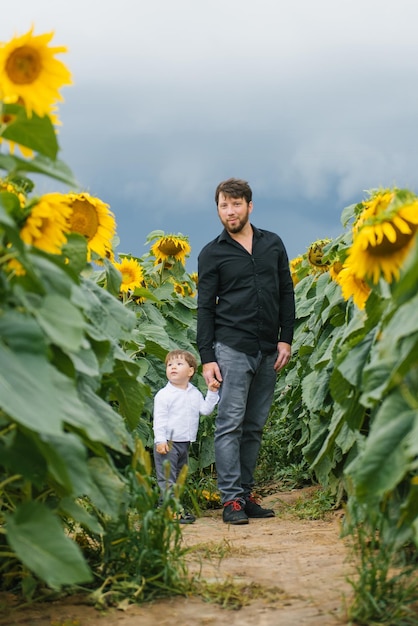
179, 288
6, 185
352, 286
378, 202
30, 72
92, 218
294, 266
16, 268
195, 278
335, 269
132, 274
383, 236
316, 255
175, 247
47, 224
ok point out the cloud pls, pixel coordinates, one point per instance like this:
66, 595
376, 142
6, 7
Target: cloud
312, 102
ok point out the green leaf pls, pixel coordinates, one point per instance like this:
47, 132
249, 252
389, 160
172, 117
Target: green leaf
36, 133
9, 205
75, 252
20, 455
113, 278
100, 422
182, 314
66, 457
61, 321
109, 319
39, 165
384, 459
39, 541
130, 393
376, 380
108, 490
152, 334
21, 333
207, 452
28, 393
142, 292
351, 367
403, 324
315, 389
79, 514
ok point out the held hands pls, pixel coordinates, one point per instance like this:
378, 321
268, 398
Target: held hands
214, 386
212, 375
162, 448
283, 355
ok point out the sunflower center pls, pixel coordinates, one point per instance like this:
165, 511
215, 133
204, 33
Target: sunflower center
7, 118
24, 65
170, 247
128, 276
386, 247
84, 219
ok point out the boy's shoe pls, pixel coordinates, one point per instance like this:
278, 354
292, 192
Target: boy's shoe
234, 512
253, 509
186, 518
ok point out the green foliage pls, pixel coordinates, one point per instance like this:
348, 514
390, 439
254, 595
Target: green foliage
386, 584
316, 505
73, 396
137, 555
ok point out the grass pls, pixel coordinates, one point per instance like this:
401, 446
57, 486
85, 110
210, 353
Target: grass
386, 581
233, 595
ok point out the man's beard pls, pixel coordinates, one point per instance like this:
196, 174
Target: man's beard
239, 226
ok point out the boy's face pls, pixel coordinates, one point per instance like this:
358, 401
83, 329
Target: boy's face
178, 371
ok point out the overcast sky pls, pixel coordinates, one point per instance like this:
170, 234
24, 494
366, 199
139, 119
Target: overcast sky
312, 101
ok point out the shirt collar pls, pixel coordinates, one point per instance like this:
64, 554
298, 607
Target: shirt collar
174, 388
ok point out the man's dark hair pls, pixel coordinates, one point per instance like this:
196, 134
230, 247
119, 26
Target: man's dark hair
234, 188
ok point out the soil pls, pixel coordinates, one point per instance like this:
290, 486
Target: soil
294, 572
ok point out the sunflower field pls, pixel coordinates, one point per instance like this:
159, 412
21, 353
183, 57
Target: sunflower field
83, 336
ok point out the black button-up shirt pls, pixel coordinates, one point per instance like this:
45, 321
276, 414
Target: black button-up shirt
245, 301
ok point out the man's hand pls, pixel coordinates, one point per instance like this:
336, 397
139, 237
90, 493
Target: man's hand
212, 375
284, 352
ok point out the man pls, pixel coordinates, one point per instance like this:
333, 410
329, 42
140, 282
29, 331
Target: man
245, 323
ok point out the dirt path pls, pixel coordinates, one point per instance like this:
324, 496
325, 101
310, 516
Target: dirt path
300, 566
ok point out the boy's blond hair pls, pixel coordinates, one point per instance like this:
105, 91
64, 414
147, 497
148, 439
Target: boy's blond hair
188, 357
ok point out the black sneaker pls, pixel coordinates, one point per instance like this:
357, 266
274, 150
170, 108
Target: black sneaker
186, 518
253, 509
234, 513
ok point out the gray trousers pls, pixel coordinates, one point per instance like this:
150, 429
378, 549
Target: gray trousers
168, 466
246, 395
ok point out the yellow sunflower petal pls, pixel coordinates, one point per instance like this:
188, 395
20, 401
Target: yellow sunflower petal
353, 287
47, 225
388, 231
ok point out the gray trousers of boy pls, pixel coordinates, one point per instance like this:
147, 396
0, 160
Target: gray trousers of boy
177, 458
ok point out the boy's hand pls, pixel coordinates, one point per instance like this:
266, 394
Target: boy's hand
214, 385
162, 448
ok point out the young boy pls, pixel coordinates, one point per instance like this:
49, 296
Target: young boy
177, 408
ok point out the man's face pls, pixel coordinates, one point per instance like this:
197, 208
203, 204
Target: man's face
233, 212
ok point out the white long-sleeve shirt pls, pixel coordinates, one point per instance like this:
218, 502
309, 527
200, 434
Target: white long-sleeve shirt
177, 411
